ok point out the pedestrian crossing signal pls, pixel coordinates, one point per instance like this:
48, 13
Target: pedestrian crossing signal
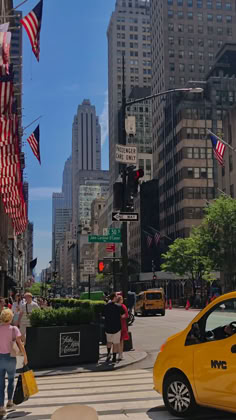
101, 266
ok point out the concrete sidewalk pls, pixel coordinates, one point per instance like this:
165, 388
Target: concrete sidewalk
130, 357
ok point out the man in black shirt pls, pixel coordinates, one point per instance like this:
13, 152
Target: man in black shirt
113, 313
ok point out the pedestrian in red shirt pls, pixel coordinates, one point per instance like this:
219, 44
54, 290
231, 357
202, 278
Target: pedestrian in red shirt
124, 328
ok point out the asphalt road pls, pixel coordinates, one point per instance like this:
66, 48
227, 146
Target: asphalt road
149, 333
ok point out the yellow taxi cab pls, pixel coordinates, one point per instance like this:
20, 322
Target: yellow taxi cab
150, 301
197, 366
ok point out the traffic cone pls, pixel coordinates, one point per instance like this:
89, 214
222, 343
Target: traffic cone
187, 305
170, 304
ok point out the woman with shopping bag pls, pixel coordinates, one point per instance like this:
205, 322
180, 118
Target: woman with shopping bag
10, 342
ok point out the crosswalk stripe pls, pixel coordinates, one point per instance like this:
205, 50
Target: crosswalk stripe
112, 394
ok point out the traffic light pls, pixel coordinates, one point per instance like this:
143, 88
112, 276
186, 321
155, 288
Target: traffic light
101, 266
132, 187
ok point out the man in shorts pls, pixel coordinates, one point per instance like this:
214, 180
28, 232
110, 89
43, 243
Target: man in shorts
113, 313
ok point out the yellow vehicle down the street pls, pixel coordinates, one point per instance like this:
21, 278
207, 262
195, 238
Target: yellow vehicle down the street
198, 364
151, 301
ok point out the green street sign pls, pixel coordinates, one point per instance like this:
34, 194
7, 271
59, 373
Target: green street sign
112, 232
104, 238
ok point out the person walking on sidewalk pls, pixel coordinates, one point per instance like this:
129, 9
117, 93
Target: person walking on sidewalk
113, 313
8, 334
124, 328
25, 311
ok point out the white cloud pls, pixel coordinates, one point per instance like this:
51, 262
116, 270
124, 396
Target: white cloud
42, 193
104, 120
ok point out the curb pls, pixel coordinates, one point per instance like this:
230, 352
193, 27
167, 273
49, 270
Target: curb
72, 370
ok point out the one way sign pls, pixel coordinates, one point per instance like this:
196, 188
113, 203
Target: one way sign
125, 217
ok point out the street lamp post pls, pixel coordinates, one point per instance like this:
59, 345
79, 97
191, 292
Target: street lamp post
125, 104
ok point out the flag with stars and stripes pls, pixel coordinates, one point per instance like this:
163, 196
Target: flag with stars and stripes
218, 149
157, 238
33, 141
32, 24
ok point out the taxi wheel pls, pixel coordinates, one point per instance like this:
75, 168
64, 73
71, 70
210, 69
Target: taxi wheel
178, 395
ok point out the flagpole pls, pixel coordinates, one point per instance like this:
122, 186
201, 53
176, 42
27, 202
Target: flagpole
223, 141
32, 123
21, 4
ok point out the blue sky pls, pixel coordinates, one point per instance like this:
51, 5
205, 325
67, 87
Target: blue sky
72, 67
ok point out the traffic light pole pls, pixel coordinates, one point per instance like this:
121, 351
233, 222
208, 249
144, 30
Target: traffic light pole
124, 251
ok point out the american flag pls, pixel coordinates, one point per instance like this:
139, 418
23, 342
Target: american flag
149, 241
6, 94
218, 149
32, 24
33, 141
5, 43
157, 238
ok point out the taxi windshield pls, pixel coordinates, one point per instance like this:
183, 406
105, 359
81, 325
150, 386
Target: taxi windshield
153, 296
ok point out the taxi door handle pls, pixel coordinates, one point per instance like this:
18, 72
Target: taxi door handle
233, 349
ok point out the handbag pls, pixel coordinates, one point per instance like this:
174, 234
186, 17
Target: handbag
30, 386
19, 397
15, 351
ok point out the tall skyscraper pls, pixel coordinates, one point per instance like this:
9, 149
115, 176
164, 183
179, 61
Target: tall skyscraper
86, 147
61, 209
186, 35
129, 36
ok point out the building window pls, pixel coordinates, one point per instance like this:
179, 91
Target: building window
172, 80
181, 67
172, 66
171, 27
171, 53
200, 55
232, 190
229, 31
210, 30
170, 13
196, 172
190, 15
190, 29
181, 54
200, 16
182, 80
201, 42
191, 68
219, 5
228, 5
171, 40
191, 55
180, 28
199, 4
190, 172
189, 152
230, 163
209, 173
219, 18
190, 3
210, 17
170, 2
200, 29
210, 43
209, 4
181, 41
180, 14
211, 56
180, 2
219, 31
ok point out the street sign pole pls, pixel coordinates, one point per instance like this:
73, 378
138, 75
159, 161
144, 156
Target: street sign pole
89, 286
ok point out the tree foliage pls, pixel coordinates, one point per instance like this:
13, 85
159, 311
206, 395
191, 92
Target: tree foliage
218, 237
185, 258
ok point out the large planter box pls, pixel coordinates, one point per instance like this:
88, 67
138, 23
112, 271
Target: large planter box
62, 346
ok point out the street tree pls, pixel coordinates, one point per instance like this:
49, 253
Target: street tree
218, 237
185, 258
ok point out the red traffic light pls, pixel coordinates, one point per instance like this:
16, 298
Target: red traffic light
101, 266
138, 174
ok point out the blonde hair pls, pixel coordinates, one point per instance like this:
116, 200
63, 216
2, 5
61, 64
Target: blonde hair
28, 294
6, 316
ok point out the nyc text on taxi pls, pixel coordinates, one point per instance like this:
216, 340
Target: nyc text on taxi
197, 366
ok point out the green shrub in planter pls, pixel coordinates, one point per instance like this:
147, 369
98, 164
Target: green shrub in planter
61, 317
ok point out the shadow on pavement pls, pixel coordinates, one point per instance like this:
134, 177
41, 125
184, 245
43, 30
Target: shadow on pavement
160, 413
